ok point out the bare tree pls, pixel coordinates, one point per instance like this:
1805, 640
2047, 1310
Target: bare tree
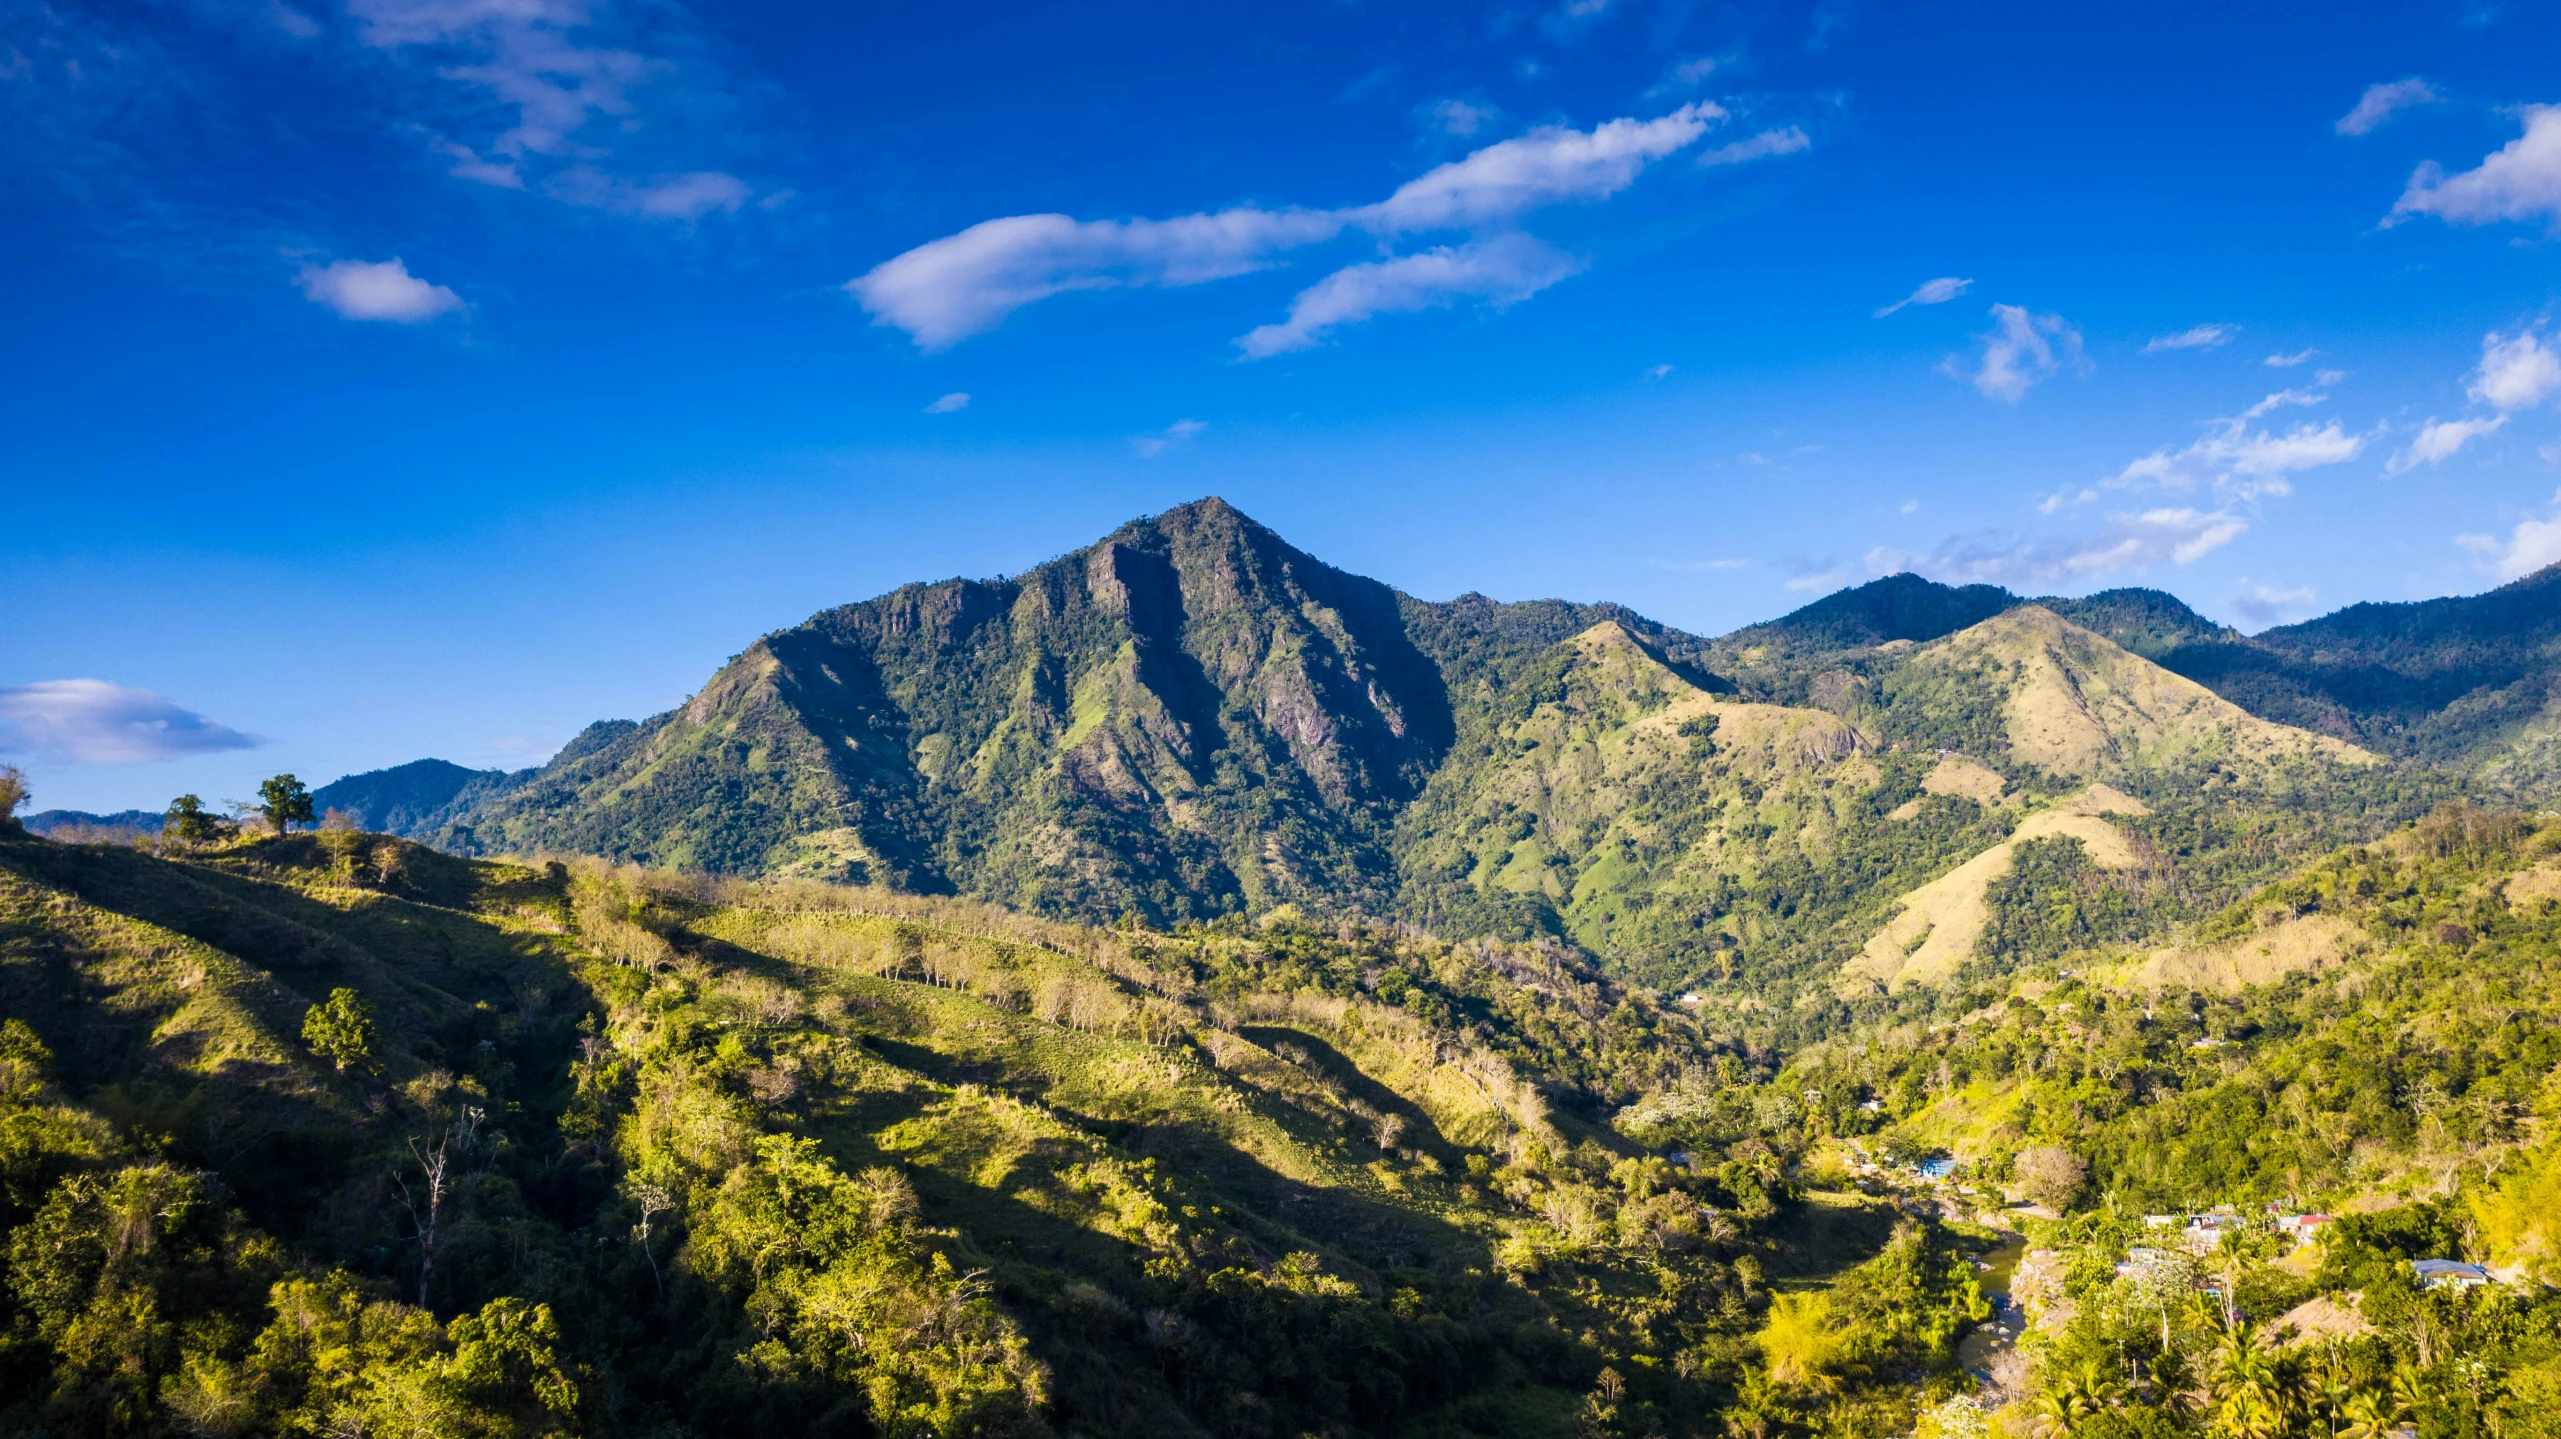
653, 1201
427, 1208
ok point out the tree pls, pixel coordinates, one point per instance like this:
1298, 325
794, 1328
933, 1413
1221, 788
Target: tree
13, 793
188, 822
2052, 1176
340, 1029
284, 802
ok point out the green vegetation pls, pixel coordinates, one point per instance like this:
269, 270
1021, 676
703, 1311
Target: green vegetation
283, 802
626, 1151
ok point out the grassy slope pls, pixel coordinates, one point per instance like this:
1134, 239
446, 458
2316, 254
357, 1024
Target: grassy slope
1096, 1119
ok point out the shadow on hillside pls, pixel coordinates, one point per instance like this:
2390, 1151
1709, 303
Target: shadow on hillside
1418, 1132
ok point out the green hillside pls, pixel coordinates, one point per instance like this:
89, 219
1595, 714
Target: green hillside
628, 1152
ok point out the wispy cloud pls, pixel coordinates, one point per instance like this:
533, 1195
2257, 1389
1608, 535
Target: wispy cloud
1786, 140
2530, 546
2266, 605
2520, 181
565, 81
1931, 292
946, 290
2020, 351
2380, 102
1700, 566
89, 721
2237, 463
2195, 337
2134, 541
1501, 271
2288, 362
951, 404
1179, 432
1460, 119
1688, 74
2441, 440
375, 290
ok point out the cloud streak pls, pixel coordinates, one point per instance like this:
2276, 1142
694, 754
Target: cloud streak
1931, 292
2133, 541
2196, 337
89, 721
964, 284
1501, 271
2381, 102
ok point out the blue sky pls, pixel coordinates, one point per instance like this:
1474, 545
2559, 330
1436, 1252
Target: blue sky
389, 378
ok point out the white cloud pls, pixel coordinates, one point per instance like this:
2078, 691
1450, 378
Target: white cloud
2531, 546
1657, 372
2020, 350
2521, 181
2135, 541
375, 290
1932, 292
1461, 119
2288, 362
2265, 604
1544, 167
946, 290
2439, 441
1909, 507
1150, 446
2241, 464
2196, 337
2379, 102
2518, 372
89, 721
1784, 141
1503, 270
951, 404
2551, 454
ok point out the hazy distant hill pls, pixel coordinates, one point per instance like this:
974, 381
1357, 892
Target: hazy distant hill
129, 821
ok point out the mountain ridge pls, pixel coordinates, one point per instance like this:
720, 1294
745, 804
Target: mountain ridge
1191, 718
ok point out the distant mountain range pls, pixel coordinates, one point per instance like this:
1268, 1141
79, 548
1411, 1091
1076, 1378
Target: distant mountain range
53, 821
1191, 718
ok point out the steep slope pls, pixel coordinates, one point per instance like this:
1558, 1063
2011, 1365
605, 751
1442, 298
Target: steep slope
629, 1156
2471, 680
1692, 837
2050, 694
1187, 718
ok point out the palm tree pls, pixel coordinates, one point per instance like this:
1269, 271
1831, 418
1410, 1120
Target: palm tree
2370, 1414
2253, 1395
2077, 1397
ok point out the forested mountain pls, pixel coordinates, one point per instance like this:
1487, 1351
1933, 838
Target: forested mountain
1191, 718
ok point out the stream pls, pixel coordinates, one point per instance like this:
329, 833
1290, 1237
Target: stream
1982, 1350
